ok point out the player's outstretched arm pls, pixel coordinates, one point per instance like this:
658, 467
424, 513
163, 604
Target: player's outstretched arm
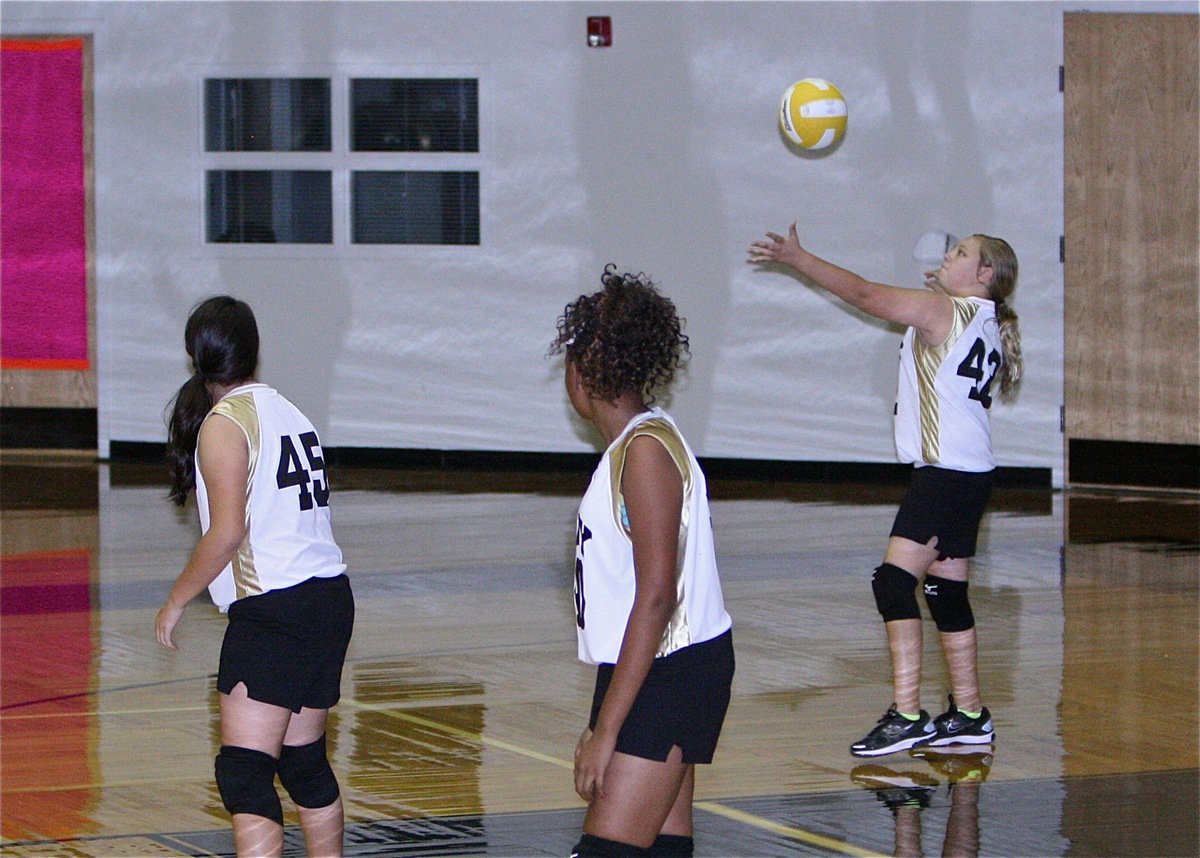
929, 312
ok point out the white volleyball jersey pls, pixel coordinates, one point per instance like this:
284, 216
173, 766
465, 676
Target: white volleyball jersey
289, 538
944, 393
604, 573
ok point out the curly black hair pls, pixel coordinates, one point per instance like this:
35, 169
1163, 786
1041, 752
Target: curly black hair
625, 338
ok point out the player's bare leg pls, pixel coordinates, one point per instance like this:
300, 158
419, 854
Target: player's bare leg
258, 726
256, 836
904, 636
904, 645
639, 795
960, 649
679, 820
324, 827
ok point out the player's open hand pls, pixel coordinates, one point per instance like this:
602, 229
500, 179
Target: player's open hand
776, 248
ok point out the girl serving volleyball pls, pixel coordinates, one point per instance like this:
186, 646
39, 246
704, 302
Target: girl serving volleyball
962, 347
648, 604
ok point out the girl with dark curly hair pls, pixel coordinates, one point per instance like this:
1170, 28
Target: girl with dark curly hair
648, 601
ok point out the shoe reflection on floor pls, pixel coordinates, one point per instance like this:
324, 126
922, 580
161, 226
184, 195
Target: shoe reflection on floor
907, 792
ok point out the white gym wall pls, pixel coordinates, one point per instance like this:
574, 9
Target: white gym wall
660, 153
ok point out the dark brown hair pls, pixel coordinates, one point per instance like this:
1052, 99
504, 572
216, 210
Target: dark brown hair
221, 337
624, 338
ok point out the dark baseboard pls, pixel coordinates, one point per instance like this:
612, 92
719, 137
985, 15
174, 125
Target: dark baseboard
1133, 464
1097, 517
715, 468
460, 460
63, 486
137, 451
48, 428
853, 472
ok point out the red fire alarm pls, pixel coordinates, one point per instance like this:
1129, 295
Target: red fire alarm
599, 31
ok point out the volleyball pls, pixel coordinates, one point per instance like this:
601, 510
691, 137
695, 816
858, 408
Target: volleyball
813, 113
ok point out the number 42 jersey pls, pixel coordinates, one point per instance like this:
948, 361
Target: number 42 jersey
944, 392
289, 537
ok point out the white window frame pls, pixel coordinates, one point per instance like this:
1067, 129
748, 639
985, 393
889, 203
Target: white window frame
341, 161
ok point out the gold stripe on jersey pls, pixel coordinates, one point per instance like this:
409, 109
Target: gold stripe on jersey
242, 411
928, 360
677, 633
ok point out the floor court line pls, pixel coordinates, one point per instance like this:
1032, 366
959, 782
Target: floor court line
106, 784
786, 830
458, 732
189, 849
169, 710
25, 704
730, 813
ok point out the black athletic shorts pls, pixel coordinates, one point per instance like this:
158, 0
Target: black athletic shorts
946, 504
682, 702
289, 645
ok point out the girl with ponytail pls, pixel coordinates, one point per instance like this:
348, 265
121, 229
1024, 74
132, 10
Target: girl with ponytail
268, 558
221, 338
962, 345
995, 253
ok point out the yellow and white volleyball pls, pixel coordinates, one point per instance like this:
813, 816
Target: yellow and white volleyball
813, 113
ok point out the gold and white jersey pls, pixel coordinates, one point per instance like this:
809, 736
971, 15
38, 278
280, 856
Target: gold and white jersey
944, 394
289, 538
604, 571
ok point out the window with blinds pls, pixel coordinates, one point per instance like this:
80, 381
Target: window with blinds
414, 115
269, 206
266, 115
415, 207
261, 197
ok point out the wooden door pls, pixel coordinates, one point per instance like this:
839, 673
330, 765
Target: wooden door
1132, 295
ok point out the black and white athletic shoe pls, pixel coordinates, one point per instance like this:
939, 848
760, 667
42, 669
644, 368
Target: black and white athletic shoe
895, 733
955, 728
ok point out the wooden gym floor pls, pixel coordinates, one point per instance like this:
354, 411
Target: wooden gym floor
462, 698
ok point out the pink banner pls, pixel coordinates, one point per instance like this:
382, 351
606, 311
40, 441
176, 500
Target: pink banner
43, 232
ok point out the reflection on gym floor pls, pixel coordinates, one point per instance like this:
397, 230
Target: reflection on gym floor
462, 698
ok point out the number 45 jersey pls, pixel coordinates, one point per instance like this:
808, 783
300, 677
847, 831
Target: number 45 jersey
945, 392
289, 538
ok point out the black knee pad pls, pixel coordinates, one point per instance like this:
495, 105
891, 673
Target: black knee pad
246, 781
948, 604
895, 593
305, 773
674, 846
598, 847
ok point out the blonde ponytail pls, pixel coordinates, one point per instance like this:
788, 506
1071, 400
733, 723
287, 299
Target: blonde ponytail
999, 256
